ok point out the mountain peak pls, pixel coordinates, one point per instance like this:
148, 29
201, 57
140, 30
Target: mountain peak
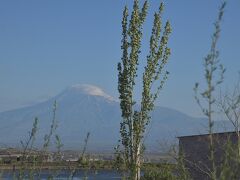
89, 89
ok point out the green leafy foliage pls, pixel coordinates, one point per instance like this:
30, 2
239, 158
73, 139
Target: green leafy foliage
164, 172
133, 125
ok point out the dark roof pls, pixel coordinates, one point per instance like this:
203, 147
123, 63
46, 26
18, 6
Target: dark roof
217, 133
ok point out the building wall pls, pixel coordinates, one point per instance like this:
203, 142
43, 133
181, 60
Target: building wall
196, 152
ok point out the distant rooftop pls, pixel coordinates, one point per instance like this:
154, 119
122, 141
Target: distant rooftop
216, 133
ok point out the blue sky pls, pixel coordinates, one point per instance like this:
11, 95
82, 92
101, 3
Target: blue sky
46, 46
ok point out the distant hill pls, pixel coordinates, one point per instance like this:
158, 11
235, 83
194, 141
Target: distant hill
87, 108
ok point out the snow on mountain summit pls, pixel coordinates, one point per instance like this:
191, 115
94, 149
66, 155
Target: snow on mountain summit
90, 90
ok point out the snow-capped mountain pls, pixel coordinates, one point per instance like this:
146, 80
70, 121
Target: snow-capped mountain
87, 108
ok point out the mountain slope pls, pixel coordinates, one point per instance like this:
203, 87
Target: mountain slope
87, 108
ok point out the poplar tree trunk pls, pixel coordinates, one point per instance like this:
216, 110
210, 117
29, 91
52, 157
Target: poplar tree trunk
138, 164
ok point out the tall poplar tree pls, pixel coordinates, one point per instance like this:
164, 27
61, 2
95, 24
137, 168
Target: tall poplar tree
134, 121
206, 99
